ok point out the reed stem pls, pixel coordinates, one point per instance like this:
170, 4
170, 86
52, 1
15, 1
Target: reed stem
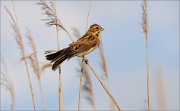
80, 88
30, 85
105, 88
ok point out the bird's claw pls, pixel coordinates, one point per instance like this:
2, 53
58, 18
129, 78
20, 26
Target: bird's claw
85, 60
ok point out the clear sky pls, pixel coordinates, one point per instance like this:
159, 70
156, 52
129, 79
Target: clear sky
124, 44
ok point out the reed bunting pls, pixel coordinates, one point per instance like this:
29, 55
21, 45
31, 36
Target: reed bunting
86, 44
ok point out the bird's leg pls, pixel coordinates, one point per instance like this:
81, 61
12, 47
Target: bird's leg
85, 60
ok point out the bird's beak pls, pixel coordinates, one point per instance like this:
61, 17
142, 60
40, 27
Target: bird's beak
102, 29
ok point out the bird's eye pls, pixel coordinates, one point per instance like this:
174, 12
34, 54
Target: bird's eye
97, 27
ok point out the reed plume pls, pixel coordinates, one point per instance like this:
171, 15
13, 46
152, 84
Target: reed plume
7, 83
19, 40
52, 19
145, 29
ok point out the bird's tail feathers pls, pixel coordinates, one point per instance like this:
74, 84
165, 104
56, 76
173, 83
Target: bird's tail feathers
57, 57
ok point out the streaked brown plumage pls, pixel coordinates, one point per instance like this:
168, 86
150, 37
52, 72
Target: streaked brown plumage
87, 43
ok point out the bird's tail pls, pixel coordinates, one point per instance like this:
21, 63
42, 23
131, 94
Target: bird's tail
57, 57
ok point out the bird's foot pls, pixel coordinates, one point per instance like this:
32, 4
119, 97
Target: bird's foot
85, 60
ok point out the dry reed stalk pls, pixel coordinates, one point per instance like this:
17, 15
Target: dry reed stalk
160, 89
20, 43
50, 12
60, 75
105, 88
6, 82
42, 95
145, 29
80, 89
35, 65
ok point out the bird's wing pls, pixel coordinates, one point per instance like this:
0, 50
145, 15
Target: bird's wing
84, 46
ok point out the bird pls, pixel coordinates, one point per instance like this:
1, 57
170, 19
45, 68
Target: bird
83, 46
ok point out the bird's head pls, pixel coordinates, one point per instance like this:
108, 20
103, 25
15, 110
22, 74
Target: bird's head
95, 29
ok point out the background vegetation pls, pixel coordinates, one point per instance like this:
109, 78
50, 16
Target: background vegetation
120, 61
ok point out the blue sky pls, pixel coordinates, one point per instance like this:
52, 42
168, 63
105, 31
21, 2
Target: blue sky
124, 44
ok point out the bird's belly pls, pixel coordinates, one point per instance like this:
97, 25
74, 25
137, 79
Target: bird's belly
87, 52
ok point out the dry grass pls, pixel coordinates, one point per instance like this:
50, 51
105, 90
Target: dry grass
38, 70
36, 67
18, 37
6, 82
52, 20
145, 29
